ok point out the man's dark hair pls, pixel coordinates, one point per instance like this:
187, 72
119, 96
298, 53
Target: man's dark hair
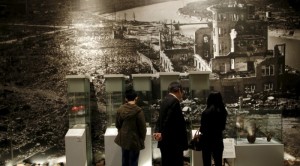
174, 87
130, 94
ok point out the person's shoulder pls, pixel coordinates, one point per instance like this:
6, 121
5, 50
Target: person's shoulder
209, 109
138, 108
171, 99
212, 107
168, 96
134, 107
121, 107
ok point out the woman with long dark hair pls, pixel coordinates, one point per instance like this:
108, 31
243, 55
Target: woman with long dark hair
213, 122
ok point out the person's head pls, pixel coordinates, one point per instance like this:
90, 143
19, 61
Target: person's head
176, 89
215, 98
130, 95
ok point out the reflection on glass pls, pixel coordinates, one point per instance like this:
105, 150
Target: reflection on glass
78, 105
114, 101
144, 101
258, 128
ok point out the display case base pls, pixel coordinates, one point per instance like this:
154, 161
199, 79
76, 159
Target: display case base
75, 143
260, 153
113, 154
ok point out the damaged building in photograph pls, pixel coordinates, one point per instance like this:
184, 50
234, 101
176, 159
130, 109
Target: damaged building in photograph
176, 51
235, 49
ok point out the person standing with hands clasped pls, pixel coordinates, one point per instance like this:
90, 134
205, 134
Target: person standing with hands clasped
170, 131
213, 122
131, 125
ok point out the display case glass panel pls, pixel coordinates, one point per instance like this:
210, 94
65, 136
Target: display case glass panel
198, 92
114, 88
78, 99
142, 84
165, 79
144, 101
114, 101
258, 127
78, 108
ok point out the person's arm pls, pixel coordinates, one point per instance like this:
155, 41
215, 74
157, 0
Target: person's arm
165, 121
118, 120
157, 133
160, 123
203, 123
141, 124
224, 119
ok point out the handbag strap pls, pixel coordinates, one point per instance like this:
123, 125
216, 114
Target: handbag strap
197, 132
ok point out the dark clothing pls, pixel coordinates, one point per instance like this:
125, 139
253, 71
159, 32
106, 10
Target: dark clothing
213, 121
172, 126
131, 125
130, 157
171, 156
215, 150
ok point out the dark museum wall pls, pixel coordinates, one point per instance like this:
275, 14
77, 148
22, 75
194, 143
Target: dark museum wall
43, 41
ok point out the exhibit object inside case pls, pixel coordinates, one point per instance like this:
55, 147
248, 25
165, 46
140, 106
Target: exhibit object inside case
78, 108
258, 128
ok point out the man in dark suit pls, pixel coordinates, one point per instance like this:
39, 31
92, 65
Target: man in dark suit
170, 129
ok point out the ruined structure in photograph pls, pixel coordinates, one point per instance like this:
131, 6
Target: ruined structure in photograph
249, 48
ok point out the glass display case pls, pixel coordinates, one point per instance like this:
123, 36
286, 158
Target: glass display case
142, 84
199, 90
78, 99
144, 101
78, 104
78, 96
258, 137
258, 127
199, 84
114, 88
114, 101
165, 79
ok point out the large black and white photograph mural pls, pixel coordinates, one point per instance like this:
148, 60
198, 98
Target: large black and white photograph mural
246, 49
